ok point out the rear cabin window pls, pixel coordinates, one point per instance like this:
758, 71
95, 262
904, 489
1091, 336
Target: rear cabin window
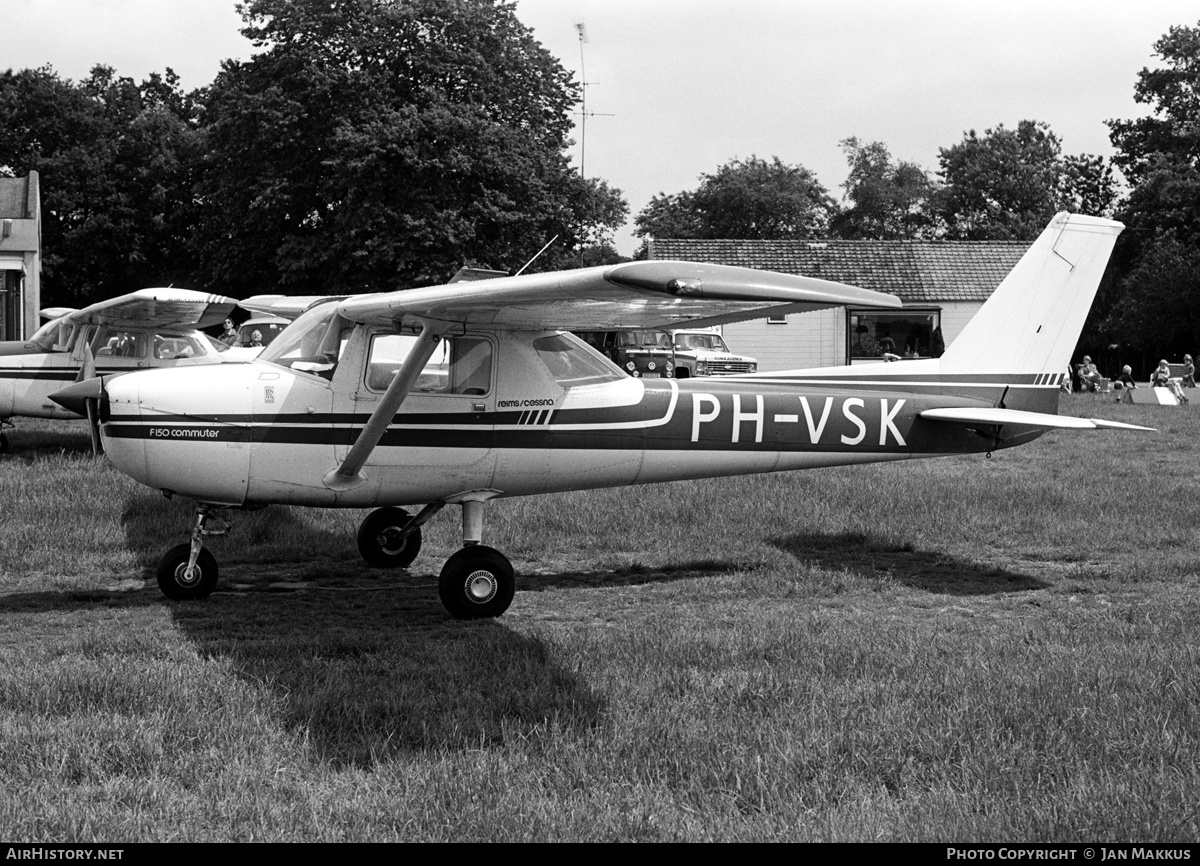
572, 362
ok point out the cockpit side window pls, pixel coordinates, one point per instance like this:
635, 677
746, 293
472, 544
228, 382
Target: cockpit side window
459, 365
123, 343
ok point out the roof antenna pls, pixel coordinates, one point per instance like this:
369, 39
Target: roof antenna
534, 259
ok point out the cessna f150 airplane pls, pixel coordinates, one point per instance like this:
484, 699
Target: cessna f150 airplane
146, 328
457, 395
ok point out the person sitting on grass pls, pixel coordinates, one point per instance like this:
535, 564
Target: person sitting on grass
1124, 383
1089, 376
1161, 378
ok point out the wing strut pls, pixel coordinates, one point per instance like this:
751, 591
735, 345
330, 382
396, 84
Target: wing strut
349, 474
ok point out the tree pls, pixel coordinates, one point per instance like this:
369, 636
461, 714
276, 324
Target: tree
1173, 91
1159, 307
1002, 185
749, 198
888, 200
1160, 154
114, 159
380, 144
1151, 302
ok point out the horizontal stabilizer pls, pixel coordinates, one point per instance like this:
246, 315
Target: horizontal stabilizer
1018, 418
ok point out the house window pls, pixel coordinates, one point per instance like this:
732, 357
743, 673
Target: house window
874, 335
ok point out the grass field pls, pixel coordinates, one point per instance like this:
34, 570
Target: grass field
955, 649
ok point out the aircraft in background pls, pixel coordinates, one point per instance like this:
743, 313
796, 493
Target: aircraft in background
143, 329
461, 394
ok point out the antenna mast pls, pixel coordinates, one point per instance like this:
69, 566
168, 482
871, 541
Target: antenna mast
582, 30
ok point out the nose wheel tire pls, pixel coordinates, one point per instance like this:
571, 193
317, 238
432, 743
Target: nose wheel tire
477, 582
172, 574
380, 543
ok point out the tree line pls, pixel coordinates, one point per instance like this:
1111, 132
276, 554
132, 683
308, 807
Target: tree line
366, 146
382, 144
1006, 184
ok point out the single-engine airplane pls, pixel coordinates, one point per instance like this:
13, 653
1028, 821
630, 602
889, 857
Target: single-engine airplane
146, 328
460, 394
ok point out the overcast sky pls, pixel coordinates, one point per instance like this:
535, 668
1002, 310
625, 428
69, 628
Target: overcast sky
681, 87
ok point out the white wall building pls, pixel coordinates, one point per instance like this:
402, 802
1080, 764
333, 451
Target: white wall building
20, 256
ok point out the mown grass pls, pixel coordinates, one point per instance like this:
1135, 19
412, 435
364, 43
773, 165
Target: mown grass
957, 649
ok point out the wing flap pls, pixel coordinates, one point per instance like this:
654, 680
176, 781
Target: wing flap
632, 294
1020, 418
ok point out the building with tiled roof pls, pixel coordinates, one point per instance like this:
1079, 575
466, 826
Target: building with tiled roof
942, 284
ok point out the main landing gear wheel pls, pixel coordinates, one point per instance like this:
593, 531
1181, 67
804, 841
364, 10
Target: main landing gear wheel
477, 582
380, 541
173, 578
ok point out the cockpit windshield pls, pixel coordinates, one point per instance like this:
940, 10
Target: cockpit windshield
311, 344
55, 334
645, 339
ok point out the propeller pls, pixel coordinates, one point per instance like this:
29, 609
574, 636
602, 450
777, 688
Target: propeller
86, 398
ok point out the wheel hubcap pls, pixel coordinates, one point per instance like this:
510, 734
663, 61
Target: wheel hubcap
481, 586
181, 575
389, 541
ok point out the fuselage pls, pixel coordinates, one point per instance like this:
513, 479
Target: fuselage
31, 371
528, 416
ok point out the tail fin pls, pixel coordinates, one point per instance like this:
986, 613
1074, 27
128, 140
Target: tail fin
1032, 321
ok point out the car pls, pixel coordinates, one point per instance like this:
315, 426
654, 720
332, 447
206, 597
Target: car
266, 327
702, 352
643, 354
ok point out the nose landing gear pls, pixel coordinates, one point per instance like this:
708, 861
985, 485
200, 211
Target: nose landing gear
187, 571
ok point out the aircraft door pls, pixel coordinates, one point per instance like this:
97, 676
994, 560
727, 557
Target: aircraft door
446, 422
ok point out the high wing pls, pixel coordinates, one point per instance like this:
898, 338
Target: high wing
285, 306
651, 294
1019, 418
158, 308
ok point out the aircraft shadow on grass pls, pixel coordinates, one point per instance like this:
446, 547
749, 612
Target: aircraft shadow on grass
367, 661
873, 558
633, 575
370, 669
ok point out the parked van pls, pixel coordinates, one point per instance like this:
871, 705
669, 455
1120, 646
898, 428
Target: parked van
645, 354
